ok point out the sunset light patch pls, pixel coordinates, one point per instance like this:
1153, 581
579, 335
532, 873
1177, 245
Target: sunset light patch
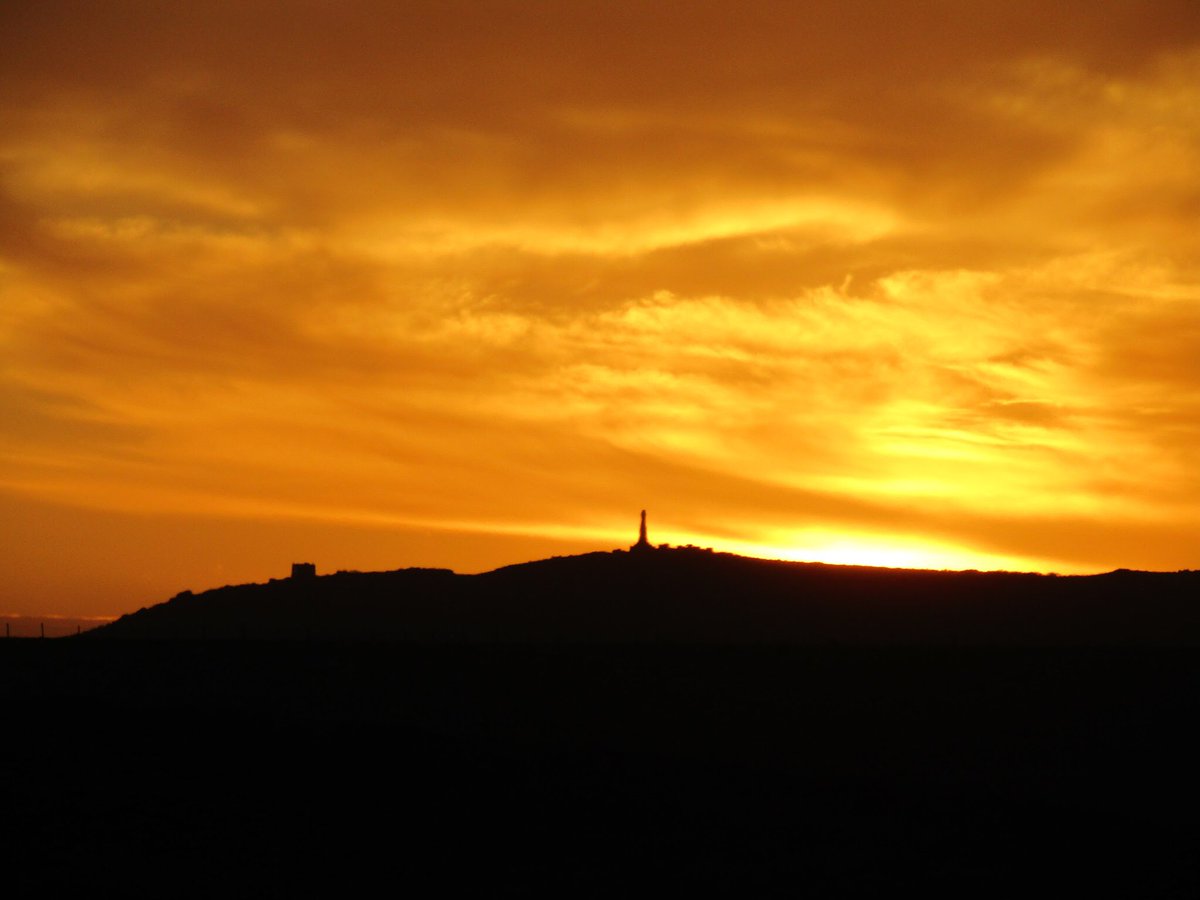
881, 552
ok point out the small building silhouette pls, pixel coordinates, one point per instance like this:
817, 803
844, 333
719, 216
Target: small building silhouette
304, 570
643, 544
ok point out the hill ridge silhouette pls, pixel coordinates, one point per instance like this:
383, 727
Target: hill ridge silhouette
688, 594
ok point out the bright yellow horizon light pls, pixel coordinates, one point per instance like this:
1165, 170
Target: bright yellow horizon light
881, 552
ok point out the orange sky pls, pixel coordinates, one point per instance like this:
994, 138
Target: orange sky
461, 284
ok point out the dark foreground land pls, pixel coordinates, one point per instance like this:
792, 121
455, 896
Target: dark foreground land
248, 768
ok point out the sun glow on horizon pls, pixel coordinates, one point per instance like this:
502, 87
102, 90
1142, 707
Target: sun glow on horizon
892, 554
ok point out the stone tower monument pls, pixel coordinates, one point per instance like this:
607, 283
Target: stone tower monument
642, 544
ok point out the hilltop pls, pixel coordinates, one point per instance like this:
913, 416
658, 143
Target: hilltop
673, 718
688, 595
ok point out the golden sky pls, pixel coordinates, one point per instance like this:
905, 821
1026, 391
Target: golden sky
382, 284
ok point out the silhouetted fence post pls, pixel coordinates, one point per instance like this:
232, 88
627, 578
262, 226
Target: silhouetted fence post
7, 633
42, 625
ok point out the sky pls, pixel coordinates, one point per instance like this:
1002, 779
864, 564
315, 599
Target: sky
379, 284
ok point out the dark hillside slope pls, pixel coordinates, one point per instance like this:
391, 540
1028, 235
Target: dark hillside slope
287, 768
687, 595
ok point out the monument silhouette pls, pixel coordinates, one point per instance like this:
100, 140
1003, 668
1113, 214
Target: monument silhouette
643, 544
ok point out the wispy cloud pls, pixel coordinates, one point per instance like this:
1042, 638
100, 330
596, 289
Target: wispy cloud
794, 277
